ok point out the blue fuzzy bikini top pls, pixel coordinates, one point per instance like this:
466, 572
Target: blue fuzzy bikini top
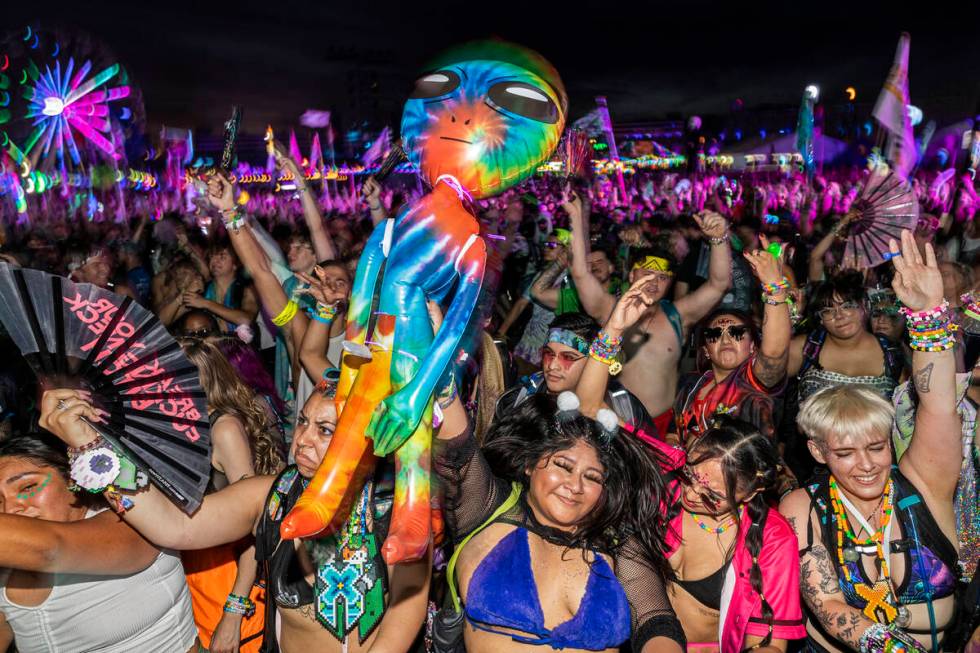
503, 595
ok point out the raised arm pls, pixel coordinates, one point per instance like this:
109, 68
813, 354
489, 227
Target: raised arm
591, 388
323, 246
934, 456
699, 303
225, 516
256, 263
815, 269
313, 351
371, 192
595, 300
769, 366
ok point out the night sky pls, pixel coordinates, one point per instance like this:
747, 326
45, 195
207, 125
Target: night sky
192, 60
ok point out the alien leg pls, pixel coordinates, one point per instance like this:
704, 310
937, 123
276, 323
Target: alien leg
349, 458
409, 534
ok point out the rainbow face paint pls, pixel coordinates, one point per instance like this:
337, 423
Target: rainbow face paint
487, 122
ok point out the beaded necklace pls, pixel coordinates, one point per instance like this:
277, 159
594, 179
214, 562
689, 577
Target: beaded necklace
717, 530
880, 606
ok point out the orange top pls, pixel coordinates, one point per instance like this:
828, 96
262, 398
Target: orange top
210, 578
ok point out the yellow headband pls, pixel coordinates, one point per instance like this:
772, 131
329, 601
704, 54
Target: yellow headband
654, 263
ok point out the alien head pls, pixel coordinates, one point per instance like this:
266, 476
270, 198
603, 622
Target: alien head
487, 114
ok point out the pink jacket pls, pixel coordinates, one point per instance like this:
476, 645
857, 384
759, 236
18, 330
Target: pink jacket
741, 608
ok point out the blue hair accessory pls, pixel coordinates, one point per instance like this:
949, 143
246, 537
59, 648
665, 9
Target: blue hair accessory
569, 339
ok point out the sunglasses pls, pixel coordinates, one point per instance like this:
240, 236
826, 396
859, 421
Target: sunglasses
565, 359
711, 499
200, 333
832, 311
735, 331
552, 245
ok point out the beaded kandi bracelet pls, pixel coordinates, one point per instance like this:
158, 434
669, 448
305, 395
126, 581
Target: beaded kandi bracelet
605, 349
930, 330
777, 287
970, 308
324, 313
240, 605
768, 298
234, 219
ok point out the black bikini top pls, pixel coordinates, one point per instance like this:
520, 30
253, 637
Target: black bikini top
707, 590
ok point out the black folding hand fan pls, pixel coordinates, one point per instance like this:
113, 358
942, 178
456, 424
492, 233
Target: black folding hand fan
886, 205
77, 335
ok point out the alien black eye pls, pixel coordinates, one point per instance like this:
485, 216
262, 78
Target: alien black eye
435, 84
524, 100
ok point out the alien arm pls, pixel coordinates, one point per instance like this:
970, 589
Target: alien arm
440, 356
369, 269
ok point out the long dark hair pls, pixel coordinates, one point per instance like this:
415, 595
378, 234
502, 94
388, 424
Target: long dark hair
40, 448
633, 490
749, 463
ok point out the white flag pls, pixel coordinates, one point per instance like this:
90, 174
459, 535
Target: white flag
892, 112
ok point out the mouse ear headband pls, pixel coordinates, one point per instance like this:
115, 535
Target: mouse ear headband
568, 409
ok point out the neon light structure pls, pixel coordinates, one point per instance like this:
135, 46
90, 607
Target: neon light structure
63, 103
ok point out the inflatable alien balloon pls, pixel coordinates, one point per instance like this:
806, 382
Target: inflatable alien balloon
480, 121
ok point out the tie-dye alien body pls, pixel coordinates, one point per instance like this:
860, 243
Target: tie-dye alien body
483, 118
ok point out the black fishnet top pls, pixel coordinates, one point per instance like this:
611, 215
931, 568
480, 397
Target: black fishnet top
472, 493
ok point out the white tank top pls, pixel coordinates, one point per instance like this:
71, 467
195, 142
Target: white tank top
147, 611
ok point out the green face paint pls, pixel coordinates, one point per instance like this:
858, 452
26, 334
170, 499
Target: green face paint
33, 492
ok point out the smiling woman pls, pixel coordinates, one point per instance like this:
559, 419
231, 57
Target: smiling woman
878, 563
577, 487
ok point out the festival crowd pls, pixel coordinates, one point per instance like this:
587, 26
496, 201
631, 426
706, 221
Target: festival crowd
686, 423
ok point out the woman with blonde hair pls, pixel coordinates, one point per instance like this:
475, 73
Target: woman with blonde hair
878, 558
227, 606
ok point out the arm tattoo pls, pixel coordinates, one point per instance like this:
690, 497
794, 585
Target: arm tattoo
922, 378
792, 523
549, 275
770, 370
818, 580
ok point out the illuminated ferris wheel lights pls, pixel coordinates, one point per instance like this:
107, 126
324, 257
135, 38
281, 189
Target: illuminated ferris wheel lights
53, 106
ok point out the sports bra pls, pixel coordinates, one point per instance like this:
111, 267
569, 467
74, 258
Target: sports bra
707, 590
503, 595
